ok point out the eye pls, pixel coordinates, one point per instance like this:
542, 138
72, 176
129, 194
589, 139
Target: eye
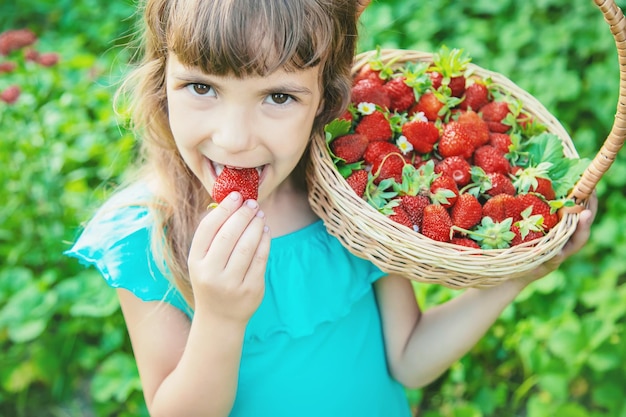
279, 98
201, 89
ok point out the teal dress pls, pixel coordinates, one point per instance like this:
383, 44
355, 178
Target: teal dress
314, 347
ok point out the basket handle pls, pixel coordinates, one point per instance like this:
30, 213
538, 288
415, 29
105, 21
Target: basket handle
606, 155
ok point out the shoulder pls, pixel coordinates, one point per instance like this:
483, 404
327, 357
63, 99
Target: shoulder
117, 242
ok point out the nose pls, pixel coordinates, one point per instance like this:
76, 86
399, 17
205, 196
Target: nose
233, 129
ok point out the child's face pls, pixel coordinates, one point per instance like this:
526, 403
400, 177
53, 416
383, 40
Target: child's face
262, 122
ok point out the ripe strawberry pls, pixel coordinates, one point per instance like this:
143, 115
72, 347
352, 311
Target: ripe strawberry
244, 180
491, 159
349, 147
476, 96
428, 104
358, 181
457, 86
456, 167
539, 206
422, 135
368, 73
367, 91
388, 166
414, 206
12, 40
435, 78
477, 127
501, 207
401, 95
464, 241
444, 191
375, 127
544, 187
456, 140
500, 184
500, 141
466, 212
10, 94
379, 149
400, 216
436, 223
529, 236
494, 113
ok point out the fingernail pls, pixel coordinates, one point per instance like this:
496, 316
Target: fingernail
266, 229
260, 214
234, 195
252, 204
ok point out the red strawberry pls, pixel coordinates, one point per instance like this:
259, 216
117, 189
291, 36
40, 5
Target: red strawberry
350, 147
501, 141
456, 140
435, 78
366, 91
421, 134
518, 239
456, 167
544, 187
444, 190
494, 113
368, 73
346, 116
244, 180
428, 104
500, 184
464, 241
358, 181
388, 166
12, 40
457, 86
466, 212
491, 159
378, 149
10, 94
400, 216
401, 95
501, 207
476, 96
414, 206
375, 127
539, 207
436, 223
477, 127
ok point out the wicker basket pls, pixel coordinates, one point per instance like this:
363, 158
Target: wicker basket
394, 249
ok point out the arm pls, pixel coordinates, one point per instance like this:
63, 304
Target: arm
191, 368
421, 346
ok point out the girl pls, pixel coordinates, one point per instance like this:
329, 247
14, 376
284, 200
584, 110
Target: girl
252, 308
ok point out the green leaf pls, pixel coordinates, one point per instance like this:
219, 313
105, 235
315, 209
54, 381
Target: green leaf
115, 379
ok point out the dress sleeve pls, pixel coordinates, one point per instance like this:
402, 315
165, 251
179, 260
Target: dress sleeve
117, 243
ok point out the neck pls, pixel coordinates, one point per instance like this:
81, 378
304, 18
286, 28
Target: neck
287, 210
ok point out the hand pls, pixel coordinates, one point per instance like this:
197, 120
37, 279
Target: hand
361, 5
227, 259
573, 245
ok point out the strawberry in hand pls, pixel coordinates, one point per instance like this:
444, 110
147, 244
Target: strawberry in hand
244, 180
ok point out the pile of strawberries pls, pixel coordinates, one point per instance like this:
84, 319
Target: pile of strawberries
449, 154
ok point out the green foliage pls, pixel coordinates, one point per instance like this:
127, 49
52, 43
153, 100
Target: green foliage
557, 351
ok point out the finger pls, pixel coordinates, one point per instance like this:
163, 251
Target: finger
211, 223
246, 247
228, 236
255, 275
581, 234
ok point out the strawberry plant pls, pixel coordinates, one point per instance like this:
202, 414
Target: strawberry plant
477, 144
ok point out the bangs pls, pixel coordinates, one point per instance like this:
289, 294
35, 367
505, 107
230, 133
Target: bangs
249, 37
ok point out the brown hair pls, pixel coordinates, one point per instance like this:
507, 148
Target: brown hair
226, 37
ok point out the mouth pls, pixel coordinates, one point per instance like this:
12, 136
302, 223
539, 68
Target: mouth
218, 168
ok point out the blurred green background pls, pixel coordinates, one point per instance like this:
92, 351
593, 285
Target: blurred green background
558, 351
